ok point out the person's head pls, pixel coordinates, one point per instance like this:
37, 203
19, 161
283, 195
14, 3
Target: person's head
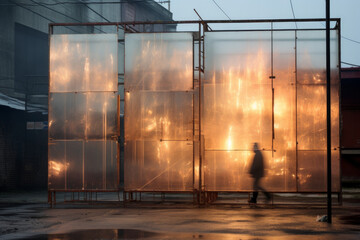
256, 147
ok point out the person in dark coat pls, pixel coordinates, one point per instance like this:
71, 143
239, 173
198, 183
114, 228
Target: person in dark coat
257, 172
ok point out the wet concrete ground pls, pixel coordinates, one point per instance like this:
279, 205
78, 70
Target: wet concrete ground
27, 216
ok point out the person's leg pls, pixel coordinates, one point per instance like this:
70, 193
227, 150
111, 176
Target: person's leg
267, 195
255, 188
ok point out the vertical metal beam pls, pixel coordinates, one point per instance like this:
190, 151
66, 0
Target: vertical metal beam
296, 116
272, 77
193, 113
118, 149
338, 22
328, 112
200, 144
51, 31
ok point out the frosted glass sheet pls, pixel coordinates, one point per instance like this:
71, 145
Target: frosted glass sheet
83, 62
311, 94
311, 56
231, 56
74, 164
101, 120
237, 90
335, 113
282, 167
158, 61
312, 171
100, 165
158, 116
65, 165
56, 165
82, 115
335, 89
229, 170
311, 117
158, 166
82, 165
335, 171
67, 115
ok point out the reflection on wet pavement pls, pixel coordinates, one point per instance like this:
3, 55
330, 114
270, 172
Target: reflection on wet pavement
117, 234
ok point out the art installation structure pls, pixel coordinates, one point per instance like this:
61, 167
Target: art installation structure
82, 112
195, 102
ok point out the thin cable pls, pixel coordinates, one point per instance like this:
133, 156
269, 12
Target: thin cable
19, 5
63, 14
221, 9
350, 64
342, 36
349, 39
292, 9
86, 4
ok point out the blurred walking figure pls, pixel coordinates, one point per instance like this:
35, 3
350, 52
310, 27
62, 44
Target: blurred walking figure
257, 172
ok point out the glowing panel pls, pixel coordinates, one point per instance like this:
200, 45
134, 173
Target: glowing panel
158, 112
237, 105
159, 61
158, 166
82, 112
83, 62
311, 110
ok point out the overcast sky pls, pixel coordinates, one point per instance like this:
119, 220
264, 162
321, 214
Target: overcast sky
347, 10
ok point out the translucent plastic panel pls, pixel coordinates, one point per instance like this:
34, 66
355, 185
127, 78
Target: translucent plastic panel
158, 166
335, 90
311, 117
312, 171
233, 58
82, 115
335, 124
66, 165
158, 115
311, 64
67, 115
74, 164
229, 170
79, 165
83, 62
335, 171
101, 120
284, 92
158, 61
281, 170
237, 98
311, 57
283, 164
56, 165
100, 165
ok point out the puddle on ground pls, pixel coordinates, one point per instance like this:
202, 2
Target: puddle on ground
118, 234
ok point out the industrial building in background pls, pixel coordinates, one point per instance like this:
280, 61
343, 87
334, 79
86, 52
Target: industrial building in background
350, 132
24, 70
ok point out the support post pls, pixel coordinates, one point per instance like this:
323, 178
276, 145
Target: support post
328, 113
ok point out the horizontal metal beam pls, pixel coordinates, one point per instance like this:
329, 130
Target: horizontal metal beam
195, 22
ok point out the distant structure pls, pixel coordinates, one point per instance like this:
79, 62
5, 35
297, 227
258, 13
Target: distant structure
24, 57
350, 131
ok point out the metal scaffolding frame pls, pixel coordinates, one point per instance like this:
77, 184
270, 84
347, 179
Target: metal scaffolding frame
199, 191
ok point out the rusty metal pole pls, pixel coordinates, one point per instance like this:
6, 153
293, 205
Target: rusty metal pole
328, 112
